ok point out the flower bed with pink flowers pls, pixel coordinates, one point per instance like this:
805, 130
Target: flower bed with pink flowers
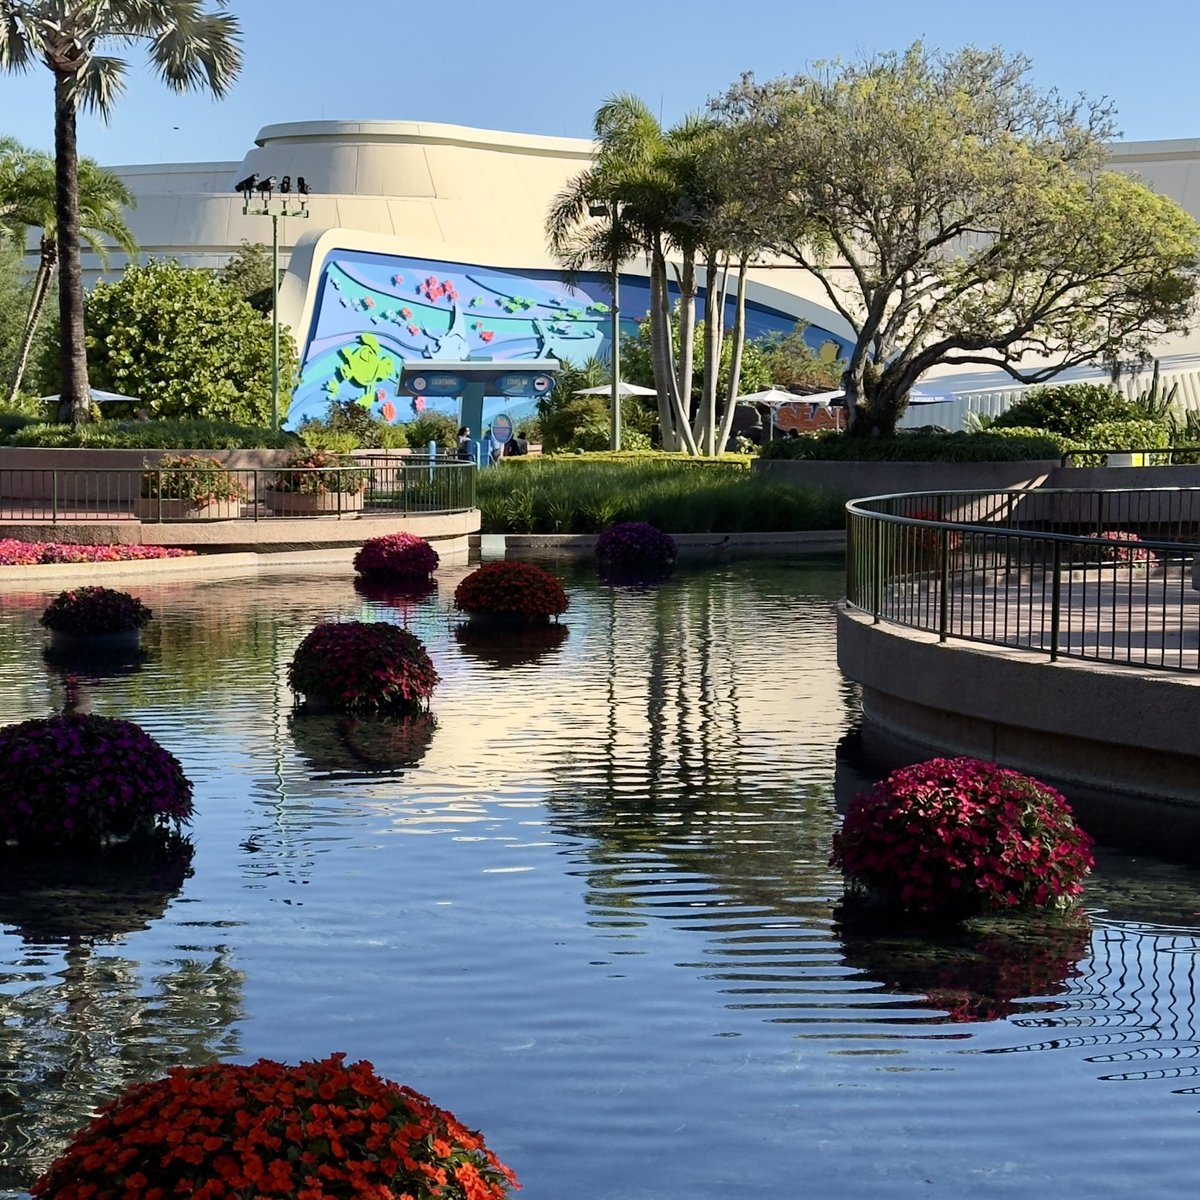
514, 591
319, 1129
955, 836
14, 553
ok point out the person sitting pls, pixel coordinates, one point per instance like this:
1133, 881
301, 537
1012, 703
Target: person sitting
516, 445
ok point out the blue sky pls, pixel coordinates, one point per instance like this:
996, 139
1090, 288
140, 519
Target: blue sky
543, 67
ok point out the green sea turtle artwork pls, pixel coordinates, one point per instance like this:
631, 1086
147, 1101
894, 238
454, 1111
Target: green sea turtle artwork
365, 364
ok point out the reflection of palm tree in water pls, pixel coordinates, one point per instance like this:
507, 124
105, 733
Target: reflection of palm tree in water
79, 1038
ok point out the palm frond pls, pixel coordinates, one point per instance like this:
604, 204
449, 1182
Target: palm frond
100, 83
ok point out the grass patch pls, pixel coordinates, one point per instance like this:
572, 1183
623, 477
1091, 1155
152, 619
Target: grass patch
585, 495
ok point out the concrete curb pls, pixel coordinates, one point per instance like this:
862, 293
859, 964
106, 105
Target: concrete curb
817, 541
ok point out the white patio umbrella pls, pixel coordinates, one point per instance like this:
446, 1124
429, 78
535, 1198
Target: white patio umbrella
773, 396
623, 388
103, 397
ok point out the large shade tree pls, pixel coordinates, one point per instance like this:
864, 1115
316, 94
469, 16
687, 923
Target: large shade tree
954, 214
190, 43
28, 200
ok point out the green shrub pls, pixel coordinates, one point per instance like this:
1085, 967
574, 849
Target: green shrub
1070, 409
1122, 435
348, 425
154, 435
578, 495
433, 427
943, 447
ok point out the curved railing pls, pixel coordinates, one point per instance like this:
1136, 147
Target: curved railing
1103, 575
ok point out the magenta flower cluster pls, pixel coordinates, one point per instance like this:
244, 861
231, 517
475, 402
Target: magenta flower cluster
14, 553
957, 835
518, 591
635, 544
363, 667
83, 779
1119, 546
396, 556
89, 610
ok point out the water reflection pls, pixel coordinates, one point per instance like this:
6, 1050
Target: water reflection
510, 647
335, 744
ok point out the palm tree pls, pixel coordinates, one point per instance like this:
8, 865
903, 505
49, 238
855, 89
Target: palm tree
189, 46
28, 200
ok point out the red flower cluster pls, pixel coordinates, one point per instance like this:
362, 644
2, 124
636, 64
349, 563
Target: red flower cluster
364, 666
958, 835
14, 553
317, 1130
94, 610
397, 555
1120, 546
511, 589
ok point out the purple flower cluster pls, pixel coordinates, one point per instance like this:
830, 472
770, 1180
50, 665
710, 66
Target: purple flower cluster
364, 667
635, 544
79, 778
87, 610
396, 556
14, 553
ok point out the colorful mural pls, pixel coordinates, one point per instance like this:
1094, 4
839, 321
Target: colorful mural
375, 313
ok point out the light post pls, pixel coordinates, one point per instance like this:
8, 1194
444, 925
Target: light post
611, 209
267, 206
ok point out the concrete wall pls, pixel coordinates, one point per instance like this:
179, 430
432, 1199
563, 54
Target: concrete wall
854, 480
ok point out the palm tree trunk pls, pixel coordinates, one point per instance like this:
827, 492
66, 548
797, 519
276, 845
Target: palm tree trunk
681, 431
74, 396
666, 419
704, 429
687, 332
41, 285
735, 364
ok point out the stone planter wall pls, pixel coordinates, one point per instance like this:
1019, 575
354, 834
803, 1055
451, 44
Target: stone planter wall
146, 509
299, 504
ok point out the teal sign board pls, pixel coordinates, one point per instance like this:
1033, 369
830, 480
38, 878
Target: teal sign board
434, 383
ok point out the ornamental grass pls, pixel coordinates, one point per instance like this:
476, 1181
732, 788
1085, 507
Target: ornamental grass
75, 779
363, 667
85, 611
319, 1129
396, 556
956, 836
517, 591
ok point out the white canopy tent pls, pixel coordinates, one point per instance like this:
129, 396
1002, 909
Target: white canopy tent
623, 388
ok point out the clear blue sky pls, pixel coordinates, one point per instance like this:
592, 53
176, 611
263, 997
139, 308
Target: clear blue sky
543, 66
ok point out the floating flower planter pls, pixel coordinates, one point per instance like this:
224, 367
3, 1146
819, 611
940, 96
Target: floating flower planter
510, 593
396, 556
83, 780
956, 836
95, 620
362, 667
635, 550
319, 1129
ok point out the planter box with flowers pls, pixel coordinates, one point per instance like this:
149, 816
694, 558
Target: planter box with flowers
396, 556
319, 1129
512, 593
95, 619
189, 487
635, 551
362, 667
956, 836
315, 482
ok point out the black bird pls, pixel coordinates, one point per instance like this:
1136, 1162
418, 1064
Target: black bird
302, 187
285, 185
247, 185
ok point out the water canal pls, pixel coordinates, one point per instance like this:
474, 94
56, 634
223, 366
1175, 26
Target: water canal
590, 911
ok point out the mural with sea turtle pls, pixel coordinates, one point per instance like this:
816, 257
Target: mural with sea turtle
376, 312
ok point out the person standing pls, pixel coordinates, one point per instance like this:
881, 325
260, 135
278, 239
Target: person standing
464, 444
517, 445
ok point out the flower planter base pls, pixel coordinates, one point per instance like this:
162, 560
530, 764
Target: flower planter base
148, 510
303, 504
126, 641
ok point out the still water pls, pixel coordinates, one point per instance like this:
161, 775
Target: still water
590, 911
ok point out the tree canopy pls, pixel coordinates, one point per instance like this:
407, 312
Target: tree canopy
186, 344
954, 214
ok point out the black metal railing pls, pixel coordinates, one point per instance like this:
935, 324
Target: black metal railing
1104, 575
386, 485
